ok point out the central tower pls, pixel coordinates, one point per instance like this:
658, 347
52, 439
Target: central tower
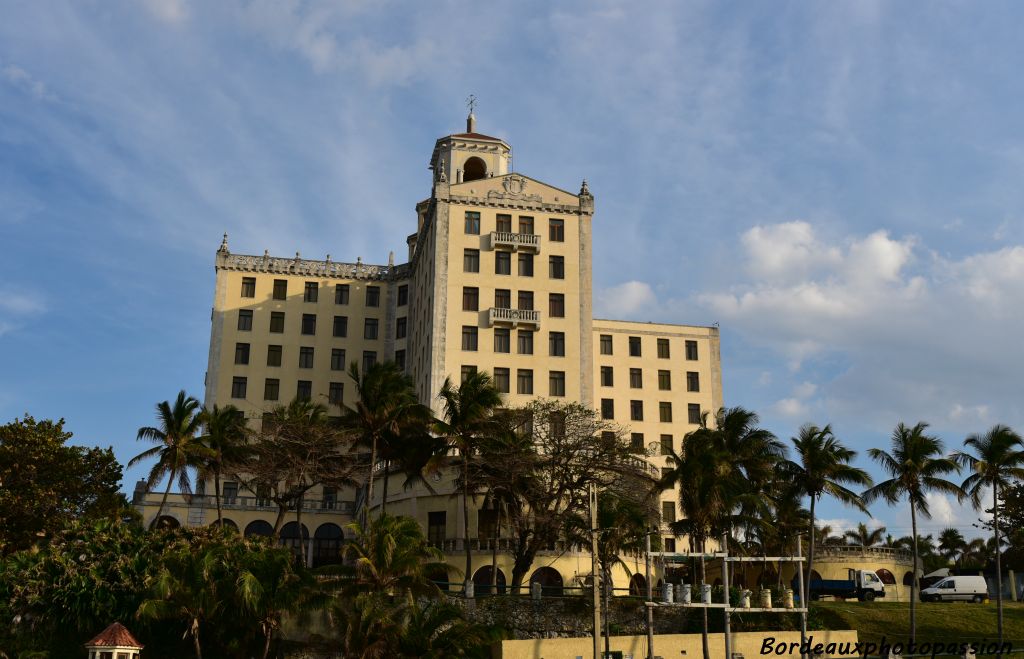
470, 156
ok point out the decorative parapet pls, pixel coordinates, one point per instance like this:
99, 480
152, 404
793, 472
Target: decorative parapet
862, 552
513, 317
299, 266
515, 241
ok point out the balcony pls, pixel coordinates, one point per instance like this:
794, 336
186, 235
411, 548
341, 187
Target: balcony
514, 317
515, 241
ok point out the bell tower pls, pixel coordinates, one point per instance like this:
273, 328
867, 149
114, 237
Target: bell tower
469, 156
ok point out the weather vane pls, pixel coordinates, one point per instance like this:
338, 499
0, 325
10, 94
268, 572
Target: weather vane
471, 103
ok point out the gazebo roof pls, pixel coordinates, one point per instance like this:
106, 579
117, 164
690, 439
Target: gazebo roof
115, 636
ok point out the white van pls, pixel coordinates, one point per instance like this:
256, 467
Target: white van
968, 588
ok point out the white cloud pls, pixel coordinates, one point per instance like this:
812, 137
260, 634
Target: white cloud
805, 390
627, 300
17, 305
168, 11
791, 407
22, 79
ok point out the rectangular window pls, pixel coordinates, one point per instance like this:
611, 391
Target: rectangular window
280, 289
369, 359
311, 292
665, 412
556, 305
556, 344
403, 295
524, 381
335, 393
248, 287
525, 300
330, 499
373, 296
466, 372
436, 525
341, 293
606, 344
525, 342
277, 322
341, 326
607, 408
692, 381
305, 357
470, 298
669, 544
636, 441
502, 263
401, 327
502, 339
472, 223
668, 511
691, 350
271, 389
556, 383
504, 224
666, 444
636, 410
501, 377
400, 359
238, 385
304, 390
502, 298
556, 230
486, 526
274, 355
245, 320
693, 413
370, 326
525, 264
663, 352
469, 337
634, 346
556, 267
665, 380
636, 378
607, 376
337, 359
471, 260
241, 353
309, 323
525, 225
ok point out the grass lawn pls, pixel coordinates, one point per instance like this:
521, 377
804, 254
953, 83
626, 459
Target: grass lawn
948, 622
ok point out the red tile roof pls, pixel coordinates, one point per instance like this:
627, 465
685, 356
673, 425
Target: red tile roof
477, 136
116, 635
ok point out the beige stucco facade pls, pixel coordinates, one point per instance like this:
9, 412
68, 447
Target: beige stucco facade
497, 278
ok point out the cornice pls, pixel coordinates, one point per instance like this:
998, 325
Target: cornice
298, 266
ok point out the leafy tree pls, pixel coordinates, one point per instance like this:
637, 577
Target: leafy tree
952, 545
865, 537
467, 418
822, 467
45, 484
226, 438
998, 459
177, 449
916, 465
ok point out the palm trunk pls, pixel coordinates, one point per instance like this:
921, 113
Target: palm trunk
282, 510
999, 564
216, 494
302, 540
465, 515
913, 581
384, 492
266, 644
163, 501
810, 553
369, 477
195, 639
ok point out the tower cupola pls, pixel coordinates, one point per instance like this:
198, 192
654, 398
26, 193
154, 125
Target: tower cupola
469, 156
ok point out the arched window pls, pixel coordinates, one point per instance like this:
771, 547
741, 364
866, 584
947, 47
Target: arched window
259, 527
482, 581
886, 576
290, 538
638, 585
474, 169
908, 579
439, 576
227, 524
327, 545
550, 581
166, 522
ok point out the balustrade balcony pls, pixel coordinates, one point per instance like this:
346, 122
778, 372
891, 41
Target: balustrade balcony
514, 317
515, 241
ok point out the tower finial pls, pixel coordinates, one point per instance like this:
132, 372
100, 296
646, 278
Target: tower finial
471, 119
224, 243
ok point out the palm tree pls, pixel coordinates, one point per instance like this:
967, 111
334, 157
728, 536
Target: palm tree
225, 437
467, 418
916, 465
999, 459
386, 405
177, 448
952, 545
822, 467
864, 537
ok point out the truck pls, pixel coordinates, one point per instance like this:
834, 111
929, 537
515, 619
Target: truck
865, 585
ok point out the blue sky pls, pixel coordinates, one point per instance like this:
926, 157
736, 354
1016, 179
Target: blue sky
836, 184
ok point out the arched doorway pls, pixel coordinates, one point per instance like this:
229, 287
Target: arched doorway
482, 581
166, 522
474, 169
638, 585
290, 538
886, 576
439, 576
259, 527
327, 542
227, 523
550, 581
908, 579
